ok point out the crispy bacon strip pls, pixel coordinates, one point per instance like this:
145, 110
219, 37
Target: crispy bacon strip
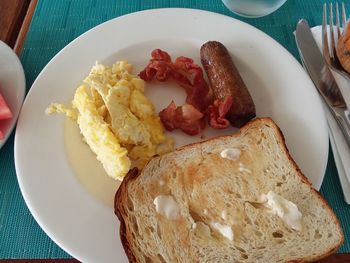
186, 73
190, 116
217, 112
185, 117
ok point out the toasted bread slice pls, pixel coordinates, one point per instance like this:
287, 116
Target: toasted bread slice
212, 209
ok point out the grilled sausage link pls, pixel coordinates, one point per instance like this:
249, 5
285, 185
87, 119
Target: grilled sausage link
224, 80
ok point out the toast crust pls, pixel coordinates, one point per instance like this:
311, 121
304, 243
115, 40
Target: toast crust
119, 211
122, 193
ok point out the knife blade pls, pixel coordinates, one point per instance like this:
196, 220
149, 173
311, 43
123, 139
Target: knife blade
323, 79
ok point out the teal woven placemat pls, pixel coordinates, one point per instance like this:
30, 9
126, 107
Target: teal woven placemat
54, 25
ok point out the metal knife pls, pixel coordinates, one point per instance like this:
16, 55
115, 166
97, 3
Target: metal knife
323, 79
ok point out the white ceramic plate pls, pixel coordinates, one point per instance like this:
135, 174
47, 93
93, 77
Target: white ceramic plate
70, 213
12, 87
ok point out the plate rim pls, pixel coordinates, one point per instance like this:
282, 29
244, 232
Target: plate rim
26, 197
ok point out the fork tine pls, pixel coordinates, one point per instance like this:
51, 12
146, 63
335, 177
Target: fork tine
325, 34
331, 30
337, 21
343, 15
343, 18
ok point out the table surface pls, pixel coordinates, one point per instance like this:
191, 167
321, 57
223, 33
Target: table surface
54, 25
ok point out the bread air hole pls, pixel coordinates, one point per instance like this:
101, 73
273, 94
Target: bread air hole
279, 184
279, 241
244, 256
240, 249
258, 233
317, 235
149, 230
134, 224
256, 205
244, 238
277, 234
247, 219
159, 233
130, 204
229, 191
289, 230
196, 217
259, 141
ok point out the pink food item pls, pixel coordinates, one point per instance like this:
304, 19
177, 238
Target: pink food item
190, 117
5, 112
185, 117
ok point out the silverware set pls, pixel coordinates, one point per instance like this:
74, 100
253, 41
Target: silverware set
332, 83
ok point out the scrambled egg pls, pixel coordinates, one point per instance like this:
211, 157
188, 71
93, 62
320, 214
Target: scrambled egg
116, 119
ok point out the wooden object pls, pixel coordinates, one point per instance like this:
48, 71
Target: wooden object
15, 18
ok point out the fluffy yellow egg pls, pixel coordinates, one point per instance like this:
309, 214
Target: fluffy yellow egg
116, 119
99, 137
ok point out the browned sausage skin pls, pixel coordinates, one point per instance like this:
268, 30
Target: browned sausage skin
224, 79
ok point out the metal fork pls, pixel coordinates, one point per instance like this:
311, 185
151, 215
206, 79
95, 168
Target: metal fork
329, 53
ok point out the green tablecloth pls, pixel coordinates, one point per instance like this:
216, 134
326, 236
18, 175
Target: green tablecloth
54, 25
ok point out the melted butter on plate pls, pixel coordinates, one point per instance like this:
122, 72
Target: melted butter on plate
86, 168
